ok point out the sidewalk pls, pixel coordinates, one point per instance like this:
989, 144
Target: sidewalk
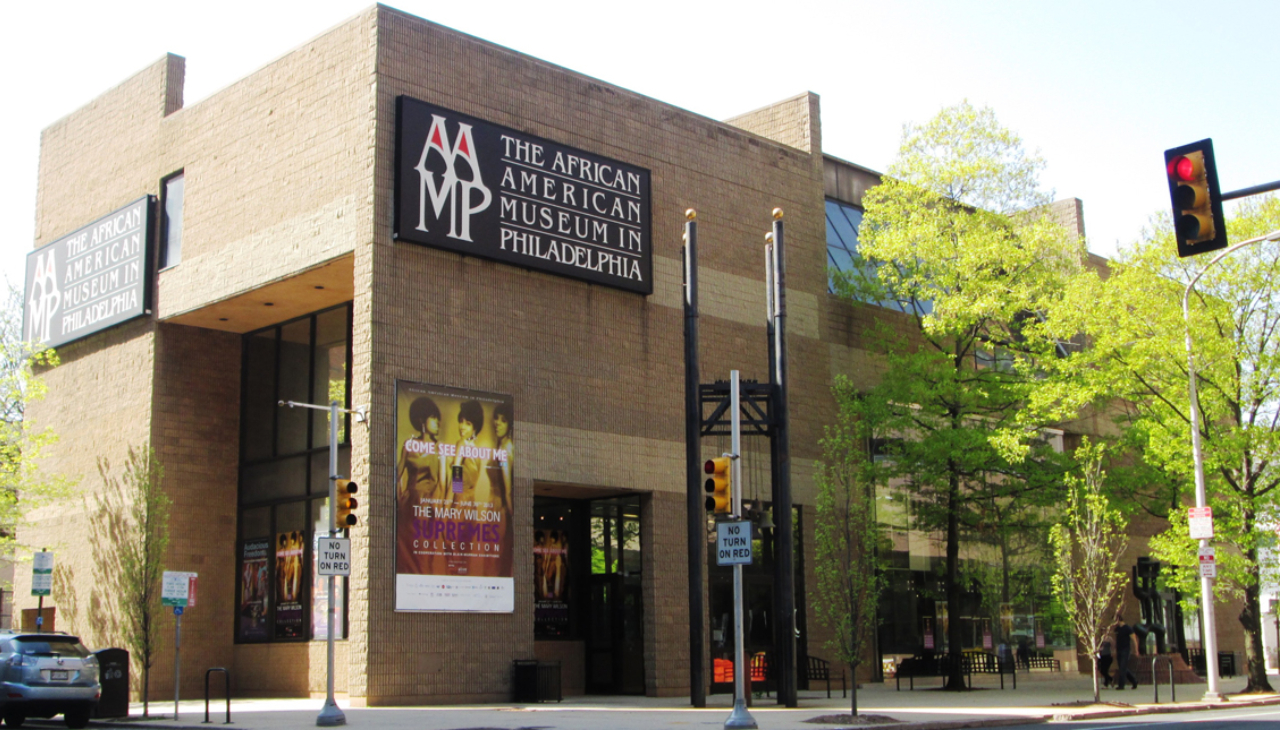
1039, 697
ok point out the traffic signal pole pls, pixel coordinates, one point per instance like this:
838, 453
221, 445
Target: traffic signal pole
331, 714
740, 718
1206, 584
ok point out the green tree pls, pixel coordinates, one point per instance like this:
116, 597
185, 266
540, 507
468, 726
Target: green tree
957, 239
847, 537
1087, 544
1138, 358
132, 518
22, 484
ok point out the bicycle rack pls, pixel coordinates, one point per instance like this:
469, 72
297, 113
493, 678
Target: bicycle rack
226, 676
1155, 681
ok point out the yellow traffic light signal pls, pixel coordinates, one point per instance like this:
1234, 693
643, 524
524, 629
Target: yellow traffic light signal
1198, 222
718, 485
346, 503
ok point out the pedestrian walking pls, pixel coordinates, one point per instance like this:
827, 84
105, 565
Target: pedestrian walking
1104, 663
1126, 648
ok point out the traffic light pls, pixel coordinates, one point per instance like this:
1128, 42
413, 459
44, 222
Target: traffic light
1197, 202
347, 503
718, 485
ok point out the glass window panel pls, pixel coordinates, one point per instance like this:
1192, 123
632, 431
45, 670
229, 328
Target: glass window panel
171, 238
255, 523
259, 396
291, 584
273, 480
331, 373
295, 377
845, 234
320, 468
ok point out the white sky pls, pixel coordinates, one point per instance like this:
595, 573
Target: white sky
1100, 87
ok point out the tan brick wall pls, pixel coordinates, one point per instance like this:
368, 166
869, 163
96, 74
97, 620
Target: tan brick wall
596, 373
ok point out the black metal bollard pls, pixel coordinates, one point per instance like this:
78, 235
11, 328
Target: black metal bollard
226, 676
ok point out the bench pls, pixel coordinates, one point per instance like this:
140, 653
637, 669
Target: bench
819, 669
761, 670
932, 666
1042, 662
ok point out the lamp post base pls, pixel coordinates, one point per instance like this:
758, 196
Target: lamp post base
740, 718
331, 715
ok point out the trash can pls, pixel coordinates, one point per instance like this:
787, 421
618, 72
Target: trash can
113, 674
536, 681
1226, 664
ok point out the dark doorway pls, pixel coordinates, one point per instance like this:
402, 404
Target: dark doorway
587, 566
615, 636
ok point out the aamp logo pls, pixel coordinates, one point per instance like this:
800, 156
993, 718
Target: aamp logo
45, 299
463, 195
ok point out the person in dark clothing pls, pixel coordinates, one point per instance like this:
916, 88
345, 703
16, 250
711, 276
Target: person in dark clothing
1104, 663
1126, 647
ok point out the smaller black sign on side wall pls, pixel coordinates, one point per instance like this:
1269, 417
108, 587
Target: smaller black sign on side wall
91, 279
485, 190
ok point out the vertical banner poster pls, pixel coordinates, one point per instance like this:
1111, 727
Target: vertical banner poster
454, 466
290, 620
254, 582
551, 583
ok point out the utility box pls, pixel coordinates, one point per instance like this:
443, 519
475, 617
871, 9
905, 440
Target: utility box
113, 674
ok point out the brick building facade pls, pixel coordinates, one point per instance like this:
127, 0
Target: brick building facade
288, 198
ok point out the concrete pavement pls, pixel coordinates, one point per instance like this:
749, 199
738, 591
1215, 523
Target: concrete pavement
1040, 696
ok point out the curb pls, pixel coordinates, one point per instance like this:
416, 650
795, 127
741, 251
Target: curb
1164, 709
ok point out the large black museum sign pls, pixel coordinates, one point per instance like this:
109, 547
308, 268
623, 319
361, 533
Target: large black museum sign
481, 189
90, 279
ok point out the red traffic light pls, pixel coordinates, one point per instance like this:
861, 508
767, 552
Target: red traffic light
1198, 223
709, 467
1182, 168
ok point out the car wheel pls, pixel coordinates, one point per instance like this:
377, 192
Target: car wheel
77, 718
14, 719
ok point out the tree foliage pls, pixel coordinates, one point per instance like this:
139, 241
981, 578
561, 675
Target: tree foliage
957, 238
1087, 545
23, 485
132, 517
1137, 358
847, 537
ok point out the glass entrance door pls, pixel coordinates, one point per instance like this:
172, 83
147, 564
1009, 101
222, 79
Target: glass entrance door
615, 635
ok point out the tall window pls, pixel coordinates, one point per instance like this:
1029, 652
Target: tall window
284, 474
843, 222
171, 223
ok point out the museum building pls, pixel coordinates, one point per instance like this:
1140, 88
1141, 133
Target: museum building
479, 256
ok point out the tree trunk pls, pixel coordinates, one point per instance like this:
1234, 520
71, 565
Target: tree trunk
146, 688
955, 674
1096, 697
1251, 619
853, 694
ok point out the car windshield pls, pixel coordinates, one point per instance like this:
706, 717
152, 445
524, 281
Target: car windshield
49, 646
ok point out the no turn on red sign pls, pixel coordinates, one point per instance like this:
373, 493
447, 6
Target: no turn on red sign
733, 543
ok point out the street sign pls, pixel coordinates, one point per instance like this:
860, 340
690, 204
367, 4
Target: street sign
1208, 563
42, 573
176, 588
177, 610
333, 556
733, 543
1200, 520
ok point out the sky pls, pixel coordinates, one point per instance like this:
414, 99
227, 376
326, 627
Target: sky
1099, 88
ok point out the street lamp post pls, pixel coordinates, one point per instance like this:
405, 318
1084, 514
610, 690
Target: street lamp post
1206, 583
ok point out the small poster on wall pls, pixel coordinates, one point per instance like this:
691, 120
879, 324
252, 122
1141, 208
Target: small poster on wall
254, 593
454, 469
290, 620
551, 583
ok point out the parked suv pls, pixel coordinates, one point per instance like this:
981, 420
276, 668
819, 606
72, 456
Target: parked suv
42, 675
